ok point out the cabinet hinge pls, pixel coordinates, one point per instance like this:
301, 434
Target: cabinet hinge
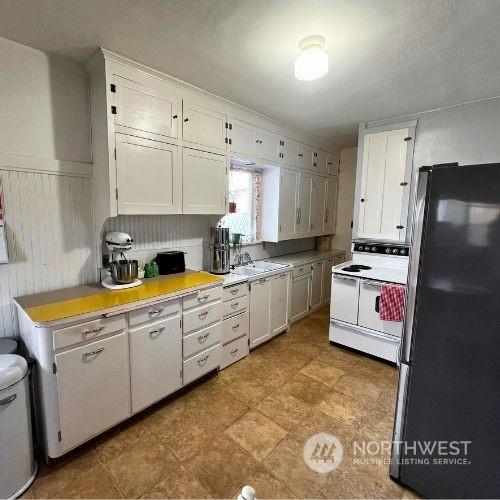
180, 373
249, 286
227, 125
248, 342
403, 184
113, 110
280, 228
180, 323
54, 368
116, 193
115, 153
112, 87
59, 436
406, 139
226, 140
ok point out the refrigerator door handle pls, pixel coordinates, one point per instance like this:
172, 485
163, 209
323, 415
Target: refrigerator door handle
416, 242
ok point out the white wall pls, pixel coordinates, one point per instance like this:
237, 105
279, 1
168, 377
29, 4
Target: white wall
347, 183
44, 119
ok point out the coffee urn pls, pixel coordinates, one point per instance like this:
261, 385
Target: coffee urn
220, 256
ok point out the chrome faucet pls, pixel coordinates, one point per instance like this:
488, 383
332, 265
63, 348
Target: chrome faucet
242, 259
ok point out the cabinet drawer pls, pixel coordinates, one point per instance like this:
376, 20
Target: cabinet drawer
234, 351
200, 364
154, 312
202, 317
235, 291
88, 331
196, 342
202, 297
235, 306
234, 327
301, 270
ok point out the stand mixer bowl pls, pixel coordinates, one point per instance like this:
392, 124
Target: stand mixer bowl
123, 271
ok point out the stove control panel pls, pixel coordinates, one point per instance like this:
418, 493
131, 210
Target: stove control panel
381, 248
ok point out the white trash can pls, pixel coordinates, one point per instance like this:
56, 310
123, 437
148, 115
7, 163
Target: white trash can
17, 464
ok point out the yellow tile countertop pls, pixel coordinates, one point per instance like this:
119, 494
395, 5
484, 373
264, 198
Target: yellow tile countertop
49, 307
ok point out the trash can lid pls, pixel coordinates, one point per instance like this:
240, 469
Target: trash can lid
13, 368
8, 346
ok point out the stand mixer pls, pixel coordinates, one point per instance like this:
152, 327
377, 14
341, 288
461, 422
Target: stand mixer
122, 271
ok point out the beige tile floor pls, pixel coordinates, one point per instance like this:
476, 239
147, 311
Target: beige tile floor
247, 425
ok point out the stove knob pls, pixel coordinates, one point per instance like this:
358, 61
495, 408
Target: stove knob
374, 249
394, 251
361, 247
387, 250
403, 251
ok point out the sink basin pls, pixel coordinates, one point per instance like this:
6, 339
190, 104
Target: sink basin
266, 266
246, 271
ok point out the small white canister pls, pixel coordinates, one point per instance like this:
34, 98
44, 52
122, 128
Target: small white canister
17, 464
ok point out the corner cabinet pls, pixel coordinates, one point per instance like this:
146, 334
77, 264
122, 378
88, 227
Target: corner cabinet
383, 179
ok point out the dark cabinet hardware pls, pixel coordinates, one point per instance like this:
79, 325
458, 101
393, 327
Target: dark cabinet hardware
377, 303
112, 87
406, 139
399, 227
403, 184
362, 200
113, 110
175, 116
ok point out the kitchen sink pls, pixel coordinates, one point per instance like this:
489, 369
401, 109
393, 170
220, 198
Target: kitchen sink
246, 271
266, 266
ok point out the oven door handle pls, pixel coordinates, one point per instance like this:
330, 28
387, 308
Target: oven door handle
377, 304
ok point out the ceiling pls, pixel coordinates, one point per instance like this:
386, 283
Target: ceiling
387, 57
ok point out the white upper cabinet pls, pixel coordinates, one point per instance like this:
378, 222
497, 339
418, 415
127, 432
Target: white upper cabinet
303, 208
149, 176
141, 109
318, 215
203, 125
331, 196
304, 156
267, 147
319, 161
204, 185
333, 164
243, 138
288, 151
383, 185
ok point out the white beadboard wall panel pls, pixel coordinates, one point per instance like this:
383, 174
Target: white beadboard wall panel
49, 232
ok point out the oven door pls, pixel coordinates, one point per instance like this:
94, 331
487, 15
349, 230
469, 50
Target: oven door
369, 302
344, 301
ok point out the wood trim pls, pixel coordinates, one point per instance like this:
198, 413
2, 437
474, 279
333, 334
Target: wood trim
11, 161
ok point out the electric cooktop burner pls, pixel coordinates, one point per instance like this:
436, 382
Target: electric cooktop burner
351, 269
361, 266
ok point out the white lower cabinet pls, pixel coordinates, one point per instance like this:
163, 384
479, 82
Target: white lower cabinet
299, 303
316, 285
234, 351
279, 303
200, 364
202, 339
155, 362
235, 327
327, 279
260, 321
93, 388
345, 295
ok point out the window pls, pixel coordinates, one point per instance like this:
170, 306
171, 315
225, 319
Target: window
245, 188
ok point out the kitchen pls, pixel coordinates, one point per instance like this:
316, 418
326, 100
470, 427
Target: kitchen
109, 150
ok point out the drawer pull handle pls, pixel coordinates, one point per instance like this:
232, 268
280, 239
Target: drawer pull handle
204, 298
377, 303
235, 291
95, 330
8, 399
235, 327
203, 315
233, 352
283, 275
202, 361
156, 311
234, 305
93, 353
157, 331
202, 338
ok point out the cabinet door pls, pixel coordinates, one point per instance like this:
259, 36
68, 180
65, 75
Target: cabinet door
93, 388
142, 109
288, 149
316, 285
204, 184
267, 146
155, 362
333, 164
279, 303
299, 301
260, 321
330, 214
202, 125
287, 200
345, 295
303, 205
148, 175
304, 156
384, 195
327, 279
243, 138
319, 161
318, 209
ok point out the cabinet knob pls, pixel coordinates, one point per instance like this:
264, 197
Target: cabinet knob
403, 183
399, 227
362, 200
186, 119
175, 116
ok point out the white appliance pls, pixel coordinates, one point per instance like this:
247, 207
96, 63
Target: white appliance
355, 298
17, 465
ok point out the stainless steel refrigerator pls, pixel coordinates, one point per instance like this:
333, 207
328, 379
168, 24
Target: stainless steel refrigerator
449, 378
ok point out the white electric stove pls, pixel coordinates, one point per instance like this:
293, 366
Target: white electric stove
354, 306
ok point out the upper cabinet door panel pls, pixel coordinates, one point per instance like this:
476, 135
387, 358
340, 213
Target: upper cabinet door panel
317, 205
304, 156
288, 149
268, 145
331, 195
303, 205
243, 138
202, 125
140, 108
287, 201
204, 182
148, 176
319, 161
333, 164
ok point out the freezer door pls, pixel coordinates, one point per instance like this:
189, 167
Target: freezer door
453, 391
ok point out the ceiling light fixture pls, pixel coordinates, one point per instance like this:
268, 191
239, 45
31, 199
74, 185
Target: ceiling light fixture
312, 63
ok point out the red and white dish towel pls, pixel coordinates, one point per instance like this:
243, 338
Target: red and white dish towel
392, 302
